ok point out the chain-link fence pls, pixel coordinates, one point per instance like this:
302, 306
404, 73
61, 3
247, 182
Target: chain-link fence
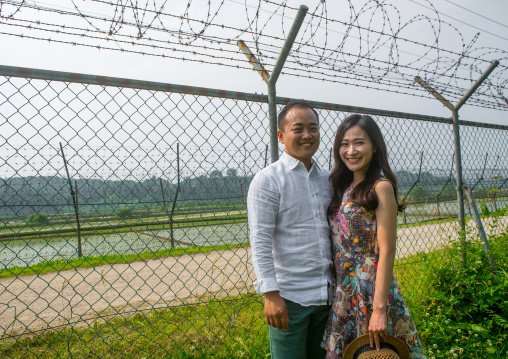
121, 197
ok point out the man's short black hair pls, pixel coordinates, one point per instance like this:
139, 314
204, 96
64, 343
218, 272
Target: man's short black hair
281, 118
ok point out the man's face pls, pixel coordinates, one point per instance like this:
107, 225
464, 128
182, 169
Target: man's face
301, 134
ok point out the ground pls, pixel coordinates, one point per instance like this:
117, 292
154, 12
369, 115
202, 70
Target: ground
78, 297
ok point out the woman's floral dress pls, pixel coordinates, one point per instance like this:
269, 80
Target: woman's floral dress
355, 255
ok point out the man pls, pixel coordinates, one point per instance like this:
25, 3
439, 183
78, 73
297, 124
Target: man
290, 238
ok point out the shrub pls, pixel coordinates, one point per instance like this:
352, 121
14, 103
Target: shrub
418, 194
473, 292
38, 218
124, 213
467, 313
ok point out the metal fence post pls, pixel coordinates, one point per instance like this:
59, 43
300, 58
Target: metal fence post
456, 138
446, 184
74, 201
176, 195
481, 230
458, 171
271, 80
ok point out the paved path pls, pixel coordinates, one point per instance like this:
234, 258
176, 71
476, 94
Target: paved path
428, 237
38, 303
78, 297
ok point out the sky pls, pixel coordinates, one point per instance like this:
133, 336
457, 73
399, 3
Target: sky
489, 21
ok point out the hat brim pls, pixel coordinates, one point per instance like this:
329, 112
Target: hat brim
359, 342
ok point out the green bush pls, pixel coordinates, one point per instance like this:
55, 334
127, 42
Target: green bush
485, 210
124, 213
467, 313
418, 194
448, 193
473, 292
38, 218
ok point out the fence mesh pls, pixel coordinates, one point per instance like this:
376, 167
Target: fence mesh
117, 202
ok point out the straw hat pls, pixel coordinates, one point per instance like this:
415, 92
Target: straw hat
391, 348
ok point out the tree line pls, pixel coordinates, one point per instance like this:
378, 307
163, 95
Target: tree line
22, 196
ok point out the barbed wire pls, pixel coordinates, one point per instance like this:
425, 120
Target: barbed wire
372, 48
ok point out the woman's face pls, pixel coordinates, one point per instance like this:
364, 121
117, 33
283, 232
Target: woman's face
356, 150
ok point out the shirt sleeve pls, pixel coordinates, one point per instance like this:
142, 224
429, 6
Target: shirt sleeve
262, 208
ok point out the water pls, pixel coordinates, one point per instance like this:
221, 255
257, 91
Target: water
22, 253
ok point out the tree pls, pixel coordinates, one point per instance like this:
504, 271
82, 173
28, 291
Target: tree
448, 193
418, 194
215, 174
481, 192
40, 218
231, 172
124, 213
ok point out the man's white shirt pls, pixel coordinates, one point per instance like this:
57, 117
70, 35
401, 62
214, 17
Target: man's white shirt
289, 232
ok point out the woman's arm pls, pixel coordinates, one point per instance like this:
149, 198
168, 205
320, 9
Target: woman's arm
386, 215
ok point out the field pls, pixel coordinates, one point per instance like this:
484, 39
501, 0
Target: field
24, 245
77, 297
134, 265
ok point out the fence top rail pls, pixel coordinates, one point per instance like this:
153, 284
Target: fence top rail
39, 74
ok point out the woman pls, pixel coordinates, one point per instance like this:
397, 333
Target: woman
363, 221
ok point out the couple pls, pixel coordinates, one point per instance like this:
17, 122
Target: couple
321, 294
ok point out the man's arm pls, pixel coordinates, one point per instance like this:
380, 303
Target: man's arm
262, 207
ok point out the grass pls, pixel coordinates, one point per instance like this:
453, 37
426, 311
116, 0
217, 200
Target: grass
235, 328
232, 328
110, 259
414, 273
429, 221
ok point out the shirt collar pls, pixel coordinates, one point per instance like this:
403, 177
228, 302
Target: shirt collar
292, 162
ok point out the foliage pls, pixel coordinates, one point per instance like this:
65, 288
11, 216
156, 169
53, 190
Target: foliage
215, 174
485, 212
418, 194
124, 213
449, 192
40, 218
467, 313
481, 192
231, 172
51, 195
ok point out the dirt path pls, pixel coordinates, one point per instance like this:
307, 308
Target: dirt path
31, 304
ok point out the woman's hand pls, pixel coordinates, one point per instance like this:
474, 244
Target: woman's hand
377, 328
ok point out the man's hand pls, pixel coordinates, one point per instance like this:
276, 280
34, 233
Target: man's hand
276, 311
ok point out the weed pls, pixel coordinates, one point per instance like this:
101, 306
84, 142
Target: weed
466, 309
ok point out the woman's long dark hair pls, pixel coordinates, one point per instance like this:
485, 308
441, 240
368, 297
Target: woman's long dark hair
341, 177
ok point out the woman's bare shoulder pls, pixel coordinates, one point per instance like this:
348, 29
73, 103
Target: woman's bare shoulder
384, 189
